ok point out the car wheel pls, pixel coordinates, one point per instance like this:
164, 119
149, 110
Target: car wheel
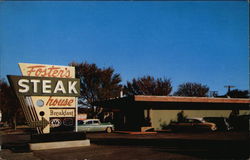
109, 130
213, 128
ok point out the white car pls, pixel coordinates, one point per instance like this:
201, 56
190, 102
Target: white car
94, 125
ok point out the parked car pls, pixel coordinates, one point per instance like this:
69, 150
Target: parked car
221, 122
240, 122
94, 125
193, 124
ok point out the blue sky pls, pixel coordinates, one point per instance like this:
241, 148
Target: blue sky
204, 42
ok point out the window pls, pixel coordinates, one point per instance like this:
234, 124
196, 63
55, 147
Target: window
193, 121
88, 122
96, 122
80, 122
196, 121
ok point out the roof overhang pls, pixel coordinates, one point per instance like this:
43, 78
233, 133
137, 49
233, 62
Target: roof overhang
171, 103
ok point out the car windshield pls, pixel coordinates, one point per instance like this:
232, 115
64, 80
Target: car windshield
193, 121
216, 119
88, 122
96, 122
80, 122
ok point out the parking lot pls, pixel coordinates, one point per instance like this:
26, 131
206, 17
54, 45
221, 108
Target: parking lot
206, 145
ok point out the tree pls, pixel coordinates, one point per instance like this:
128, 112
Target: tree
238, 94
9, 106
147, 85
181, 117
96, 84
192, 90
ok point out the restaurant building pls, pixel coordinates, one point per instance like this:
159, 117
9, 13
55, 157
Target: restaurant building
135, 112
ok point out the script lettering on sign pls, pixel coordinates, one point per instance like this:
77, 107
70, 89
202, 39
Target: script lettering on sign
54, 101
39, 70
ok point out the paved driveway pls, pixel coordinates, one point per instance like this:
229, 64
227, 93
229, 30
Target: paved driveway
217, 145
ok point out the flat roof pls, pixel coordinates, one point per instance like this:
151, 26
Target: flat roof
174, 102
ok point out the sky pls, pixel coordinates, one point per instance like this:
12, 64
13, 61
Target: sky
202, 42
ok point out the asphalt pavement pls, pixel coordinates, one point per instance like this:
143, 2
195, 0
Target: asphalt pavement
160, 146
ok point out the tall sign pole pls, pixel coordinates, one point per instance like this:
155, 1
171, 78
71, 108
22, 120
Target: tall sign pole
48, 96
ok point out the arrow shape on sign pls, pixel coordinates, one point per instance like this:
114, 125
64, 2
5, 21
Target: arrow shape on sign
42, 123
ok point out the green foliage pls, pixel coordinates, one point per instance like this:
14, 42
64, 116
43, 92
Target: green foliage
238, 94
9, 106
181, 117
164, 125
192, 90
95, 83
148, 85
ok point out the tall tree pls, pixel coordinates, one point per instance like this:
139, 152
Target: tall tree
148, 85
9, 106
192, 90
96, 83
238, 93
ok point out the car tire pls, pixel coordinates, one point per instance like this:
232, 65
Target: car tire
213, 129
109, 130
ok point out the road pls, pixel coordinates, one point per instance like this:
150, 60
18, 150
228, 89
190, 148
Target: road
217, 145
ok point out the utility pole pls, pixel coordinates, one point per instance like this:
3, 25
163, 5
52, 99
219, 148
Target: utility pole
229, 88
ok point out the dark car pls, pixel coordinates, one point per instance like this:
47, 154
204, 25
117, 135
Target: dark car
240, 122
222, 123
193, 124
